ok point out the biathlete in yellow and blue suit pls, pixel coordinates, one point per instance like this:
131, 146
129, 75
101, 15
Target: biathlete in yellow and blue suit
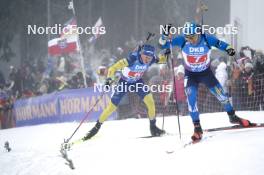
132, 70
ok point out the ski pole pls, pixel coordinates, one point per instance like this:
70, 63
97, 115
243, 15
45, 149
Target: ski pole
175, 89
175, 97
148, 38
85, 117
163, 112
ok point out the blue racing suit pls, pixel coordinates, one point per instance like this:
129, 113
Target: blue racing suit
197, 70
132, 77
132, 69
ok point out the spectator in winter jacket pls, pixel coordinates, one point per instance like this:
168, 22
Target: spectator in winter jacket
179, 95
259, 62
248, 78
247, 52
221, 75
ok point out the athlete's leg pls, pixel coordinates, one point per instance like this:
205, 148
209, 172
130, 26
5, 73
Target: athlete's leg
147, 98
112, 106
217, 90
150, 104
107, 112
115, 100
191, 90
222, 97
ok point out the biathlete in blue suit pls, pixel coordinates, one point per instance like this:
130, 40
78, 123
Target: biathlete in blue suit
132, 70
196, 48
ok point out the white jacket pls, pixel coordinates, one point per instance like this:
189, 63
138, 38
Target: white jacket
221, 75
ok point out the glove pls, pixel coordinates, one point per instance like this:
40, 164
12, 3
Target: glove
108, 83
230, 51
167, 52
167, 32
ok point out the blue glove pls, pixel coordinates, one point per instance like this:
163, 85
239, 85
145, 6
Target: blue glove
165, 34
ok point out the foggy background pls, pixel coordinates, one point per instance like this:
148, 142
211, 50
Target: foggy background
125, 21
249, 17
29, 68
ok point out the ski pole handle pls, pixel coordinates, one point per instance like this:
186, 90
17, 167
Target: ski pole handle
150, 35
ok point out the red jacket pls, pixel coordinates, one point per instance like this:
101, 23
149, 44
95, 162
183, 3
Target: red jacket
179, 86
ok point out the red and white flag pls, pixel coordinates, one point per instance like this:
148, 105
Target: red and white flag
68, 41
59, 46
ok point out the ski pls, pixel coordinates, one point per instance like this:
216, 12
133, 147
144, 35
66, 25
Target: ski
192, 142
68, 146
189, 143
146, 137
150, 136
254, 125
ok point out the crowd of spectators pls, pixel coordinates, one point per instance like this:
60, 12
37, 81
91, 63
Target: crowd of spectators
243, 80
242, 77
31, 79
247, 85
36, 78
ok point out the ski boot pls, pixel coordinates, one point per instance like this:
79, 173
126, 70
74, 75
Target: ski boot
93, 131
154, 130
234, 119
198, 131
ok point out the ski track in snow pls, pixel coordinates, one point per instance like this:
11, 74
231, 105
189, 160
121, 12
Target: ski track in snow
118, 150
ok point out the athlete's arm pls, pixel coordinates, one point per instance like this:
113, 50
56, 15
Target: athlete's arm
121, 64
176, 41
117, 66
213, 41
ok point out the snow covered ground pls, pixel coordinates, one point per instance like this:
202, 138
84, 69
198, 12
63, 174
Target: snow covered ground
117, 150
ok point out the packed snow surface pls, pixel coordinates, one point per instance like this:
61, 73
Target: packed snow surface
118, 150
